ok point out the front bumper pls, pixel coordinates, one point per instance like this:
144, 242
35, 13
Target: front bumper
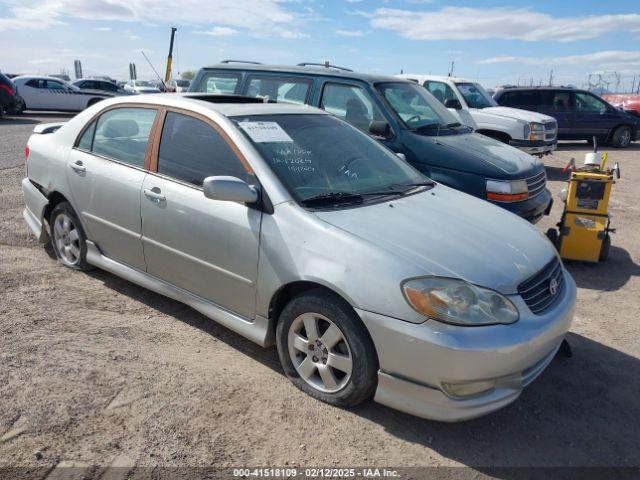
532, 209
537, 147
416, 359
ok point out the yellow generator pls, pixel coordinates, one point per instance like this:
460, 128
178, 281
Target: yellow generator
585, 225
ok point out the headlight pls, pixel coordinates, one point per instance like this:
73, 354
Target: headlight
458, 302
507, 190
534, 131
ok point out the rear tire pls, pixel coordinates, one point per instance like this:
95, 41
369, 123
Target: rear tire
604, 249
621, 137
325, 350
68, 239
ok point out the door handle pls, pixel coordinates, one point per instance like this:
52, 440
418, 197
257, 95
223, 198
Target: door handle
154, 194
78, 167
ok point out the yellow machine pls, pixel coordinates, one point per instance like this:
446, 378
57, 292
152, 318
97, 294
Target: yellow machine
585, 225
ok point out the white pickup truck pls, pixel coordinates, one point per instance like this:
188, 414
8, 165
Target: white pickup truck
532, 132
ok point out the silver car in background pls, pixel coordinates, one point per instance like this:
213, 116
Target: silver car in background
289, 226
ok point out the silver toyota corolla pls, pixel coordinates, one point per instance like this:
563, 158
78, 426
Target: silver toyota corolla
291, 227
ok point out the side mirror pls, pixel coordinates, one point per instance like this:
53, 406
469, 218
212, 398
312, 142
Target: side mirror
380, 128
229, 189
453, 103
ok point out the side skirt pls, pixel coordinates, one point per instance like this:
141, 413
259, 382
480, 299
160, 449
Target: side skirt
257, 331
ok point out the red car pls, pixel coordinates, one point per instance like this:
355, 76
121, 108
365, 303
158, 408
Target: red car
630, 103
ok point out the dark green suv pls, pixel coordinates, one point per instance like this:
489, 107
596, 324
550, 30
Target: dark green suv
403, 116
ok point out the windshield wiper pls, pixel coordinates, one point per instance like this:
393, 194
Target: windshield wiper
427, 126
332, 198
454, 124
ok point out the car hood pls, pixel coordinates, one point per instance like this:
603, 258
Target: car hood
477, 154
523, 115
447, 233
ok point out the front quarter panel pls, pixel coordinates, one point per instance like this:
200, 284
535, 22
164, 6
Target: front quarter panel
297, 246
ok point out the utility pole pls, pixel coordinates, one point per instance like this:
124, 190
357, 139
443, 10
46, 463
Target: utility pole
551, 78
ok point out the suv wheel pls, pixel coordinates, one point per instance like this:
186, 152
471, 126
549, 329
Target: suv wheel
621, 137
325, 350
67, 237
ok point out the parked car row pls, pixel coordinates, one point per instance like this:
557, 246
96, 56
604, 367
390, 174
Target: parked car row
298, 226
404, 117
38, 92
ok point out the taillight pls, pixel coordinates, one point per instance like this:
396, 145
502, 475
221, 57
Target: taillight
7, 88
26, 151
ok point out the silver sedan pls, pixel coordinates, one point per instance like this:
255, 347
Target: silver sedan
289, 226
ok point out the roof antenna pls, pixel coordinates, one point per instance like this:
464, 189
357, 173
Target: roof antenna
453, 63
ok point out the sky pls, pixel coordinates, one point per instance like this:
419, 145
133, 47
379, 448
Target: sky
495, 42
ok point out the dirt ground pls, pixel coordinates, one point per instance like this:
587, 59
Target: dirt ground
98, 371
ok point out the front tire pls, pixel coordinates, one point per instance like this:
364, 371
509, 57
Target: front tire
68, 239
325, 349
621, 137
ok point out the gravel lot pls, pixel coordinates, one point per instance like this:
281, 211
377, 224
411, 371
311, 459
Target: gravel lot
98, 371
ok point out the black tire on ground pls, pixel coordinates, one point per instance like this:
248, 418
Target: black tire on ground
604, 249
621, 137
64, 208
552, 235
363, 380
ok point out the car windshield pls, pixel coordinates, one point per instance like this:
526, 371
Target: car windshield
143, 83
182, 83
321, 157
475, 95
415, 106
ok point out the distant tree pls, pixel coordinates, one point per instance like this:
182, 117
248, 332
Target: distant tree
188, 75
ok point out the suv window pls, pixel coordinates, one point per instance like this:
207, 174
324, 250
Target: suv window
293, 90
191, 150
214, 82
558, 100
440, 90
350, 103
586, 102
122, 134
521, 98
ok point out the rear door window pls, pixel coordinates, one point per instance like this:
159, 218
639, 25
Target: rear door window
350, 103
122, 134
215, 82
192, 150
440, 90
522, 98
295, 90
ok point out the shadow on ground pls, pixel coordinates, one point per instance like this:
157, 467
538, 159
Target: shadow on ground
582, 411
609, 275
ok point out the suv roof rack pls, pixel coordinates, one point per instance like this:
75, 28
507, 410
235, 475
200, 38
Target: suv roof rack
241, 61
325, 65
226, 98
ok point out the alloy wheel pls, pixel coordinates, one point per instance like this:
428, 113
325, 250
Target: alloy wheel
320, 352
67, 239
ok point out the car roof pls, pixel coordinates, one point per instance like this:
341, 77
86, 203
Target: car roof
39, 77
217, 103
509, 88
304, 70
442, 78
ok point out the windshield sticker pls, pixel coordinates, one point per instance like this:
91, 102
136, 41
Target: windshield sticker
265, 132
295, 159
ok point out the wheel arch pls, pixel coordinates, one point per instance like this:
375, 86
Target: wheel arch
613, 129
495, 134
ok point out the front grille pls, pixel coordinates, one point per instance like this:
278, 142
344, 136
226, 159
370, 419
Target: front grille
537, 183
536, 290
